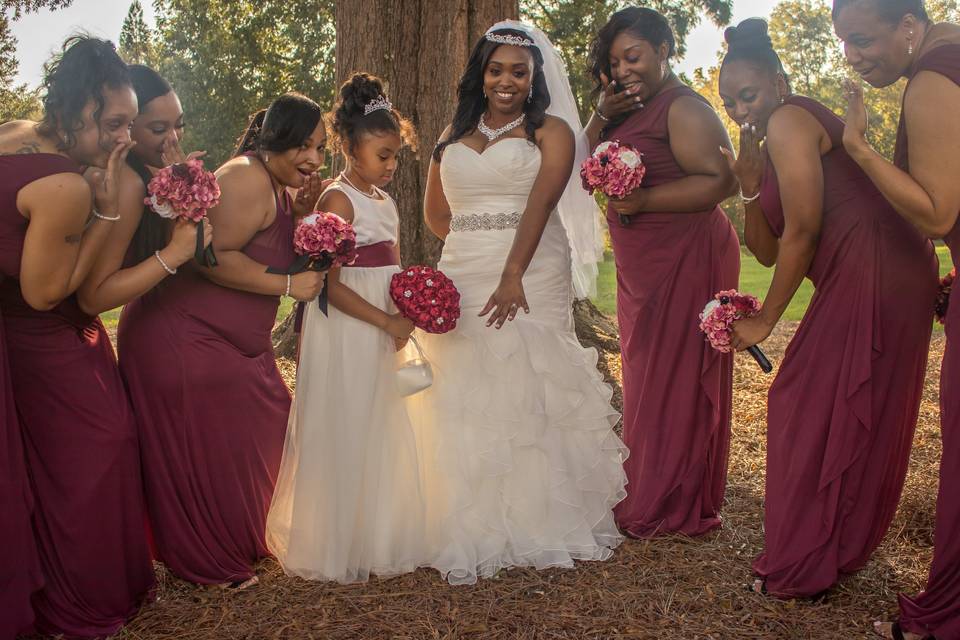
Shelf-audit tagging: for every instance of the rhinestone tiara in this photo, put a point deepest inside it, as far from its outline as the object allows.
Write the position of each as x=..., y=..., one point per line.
x=378, y=103
x=517, y=41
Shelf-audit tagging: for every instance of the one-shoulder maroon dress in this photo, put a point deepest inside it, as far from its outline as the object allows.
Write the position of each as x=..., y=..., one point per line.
x=79, y=440
x=212, y=412
x=676, y=388
x=843, y=408
x=936, y=610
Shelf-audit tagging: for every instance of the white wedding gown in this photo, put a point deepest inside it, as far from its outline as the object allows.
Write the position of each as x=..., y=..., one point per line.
x=520, y=463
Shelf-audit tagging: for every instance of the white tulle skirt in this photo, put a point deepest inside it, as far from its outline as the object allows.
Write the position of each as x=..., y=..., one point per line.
x=348, y=501
x=521, y=466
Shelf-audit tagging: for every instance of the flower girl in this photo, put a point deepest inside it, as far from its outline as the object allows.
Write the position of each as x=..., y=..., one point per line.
x=348, y=501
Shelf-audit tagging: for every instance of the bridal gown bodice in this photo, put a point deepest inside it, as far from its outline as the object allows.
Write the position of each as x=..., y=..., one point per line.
x=487, y=193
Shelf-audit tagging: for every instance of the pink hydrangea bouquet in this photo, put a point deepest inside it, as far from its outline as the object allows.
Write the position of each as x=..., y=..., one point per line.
x=321, y=240
x=943, y=295
x=718, y=316
x=426, y=297
x=186, y=190
x=615, y=168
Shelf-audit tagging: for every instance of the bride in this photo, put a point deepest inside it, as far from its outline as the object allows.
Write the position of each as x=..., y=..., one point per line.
x=521, y=466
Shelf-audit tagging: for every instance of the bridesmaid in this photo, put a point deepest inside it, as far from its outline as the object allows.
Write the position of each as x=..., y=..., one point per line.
x=885, y=41
x=197, y=358
x=138, y=253
x=842, y=410
x=79, y=439
x=674, y=249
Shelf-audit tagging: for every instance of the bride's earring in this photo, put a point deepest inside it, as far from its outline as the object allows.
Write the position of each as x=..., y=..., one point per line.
x=530, y=95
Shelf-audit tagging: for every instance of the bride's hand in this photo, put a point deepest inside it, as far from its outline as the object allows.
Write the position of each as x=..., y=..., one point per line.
x=506, y=301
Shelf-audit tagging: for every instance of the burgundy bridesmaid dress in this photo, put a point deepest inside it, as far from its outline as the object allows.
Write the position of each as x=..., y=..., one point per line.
x=19, y=565
x=676, y=388
x=79, y=440
x=936, y=610
x=212, y=412
x=842, y=410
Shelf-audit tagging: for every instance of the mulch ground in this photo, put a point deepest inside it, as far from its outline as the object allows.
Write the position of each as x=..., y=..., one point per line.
x=672, y=587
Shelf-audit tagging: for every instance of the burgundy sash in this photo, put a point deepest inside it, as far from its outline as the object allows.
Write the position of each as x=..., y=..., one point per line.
x=380, y=254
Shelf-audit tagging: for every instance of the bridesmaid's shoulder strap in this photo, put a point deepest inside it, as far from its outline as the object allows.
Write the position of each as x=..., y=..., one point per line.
x=829, y=120
x=944, y=60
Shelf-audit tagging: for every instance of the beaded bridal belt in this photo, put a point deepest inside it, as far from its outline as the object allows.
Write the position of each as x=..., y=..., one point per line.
x=485, y=222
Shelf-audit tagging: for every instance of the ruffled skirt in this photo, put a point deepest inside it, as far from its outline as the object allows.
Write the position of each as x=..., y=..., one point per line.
x=521, y=466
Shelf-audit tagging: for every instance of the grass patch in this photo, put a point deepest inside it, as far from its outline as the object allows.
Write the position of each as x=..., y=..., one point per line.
x=754, y=279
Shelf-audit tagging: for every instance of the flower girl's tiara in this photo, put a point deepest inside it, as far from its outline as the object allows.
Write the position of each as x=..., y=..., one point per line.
x=378, y=103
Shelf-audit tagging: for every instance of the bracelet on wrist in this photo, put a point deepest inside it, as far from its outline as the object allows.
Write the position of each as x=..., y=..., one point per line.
x=163, y=264
x=601, y=116
x=289, y=281
x=99, y=215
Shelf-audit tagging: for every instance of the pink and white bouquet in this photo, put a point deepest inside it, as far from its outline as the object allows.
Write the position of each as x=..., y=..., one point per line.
x=943, y=296
x=186, y=190
x=718, y=316
x=615, y=168
x=426, y=297
x=326, y=239
x=321, y=240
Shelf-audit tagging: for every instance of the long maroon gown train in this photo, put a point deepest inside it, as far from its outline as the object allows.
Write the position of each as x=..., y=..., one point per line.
x=842, y=410
x=212, y=412
x=936, y=610
x=80, y=442
x=676, y=388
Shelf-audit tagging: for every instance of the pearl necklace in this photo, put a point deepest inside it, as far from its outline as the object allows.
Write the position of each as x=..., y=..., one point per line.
x=371, y=194
x=493, y=134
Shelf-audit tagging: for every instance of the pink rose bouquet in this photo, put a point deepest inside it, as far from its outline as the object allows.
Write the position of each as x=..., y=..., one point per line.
x=614, y=168
x=943, y=296
x=186, y=190
x=426, y=297
x=321, y=240
x=718, y=316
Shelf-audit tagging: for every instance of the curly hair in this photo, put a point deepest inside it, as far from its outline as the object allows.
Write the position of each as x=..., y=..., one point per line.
x=77, y=75
x=348, y=123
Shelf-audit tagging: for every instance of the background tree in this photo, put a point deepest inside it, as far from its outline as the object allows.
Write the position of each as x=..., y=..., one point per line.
x=571, y=27
x=136, y=38
x=229, y=58
x=19, y=7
